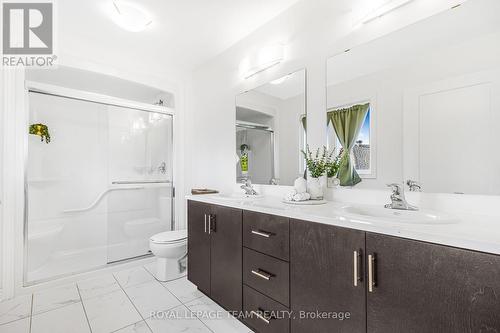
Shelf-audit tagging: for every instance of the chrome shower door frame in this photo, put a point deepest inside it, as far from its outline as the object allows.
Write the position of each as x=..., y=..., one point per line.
x=57, y=91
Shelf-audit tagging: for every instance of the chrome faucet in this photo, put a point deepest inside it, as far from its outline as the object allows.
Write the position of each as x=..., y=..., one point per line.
x=414, y=186
x=163, y=168
x=398, y=200
x=247, y=187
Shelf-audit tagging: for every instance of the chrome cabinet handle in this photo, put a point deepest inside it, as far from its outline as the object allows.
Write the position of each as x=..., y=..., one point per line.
x=262, y=233
x=209, y=223
x=205, y=223
x=262, y=274
x=356, y=267
x=371, y=271
x=261, y=317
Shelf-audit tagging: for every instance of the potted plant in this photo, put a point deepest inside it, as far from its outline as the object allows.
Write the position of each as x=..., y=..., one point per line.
x=332, y=169
x=316, y=166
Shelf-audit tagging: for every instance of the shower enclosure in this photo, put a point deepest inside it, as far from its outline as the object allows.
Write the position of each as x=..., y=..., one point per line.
x=259, y=141
x=97, y=188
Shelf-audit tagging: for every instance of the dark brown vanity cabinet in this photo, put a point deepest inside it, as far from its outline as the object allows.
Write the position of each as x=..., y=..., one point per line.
x=327, y=278
x=215, y=252
x=427, y=288
x=336, y=279
x=389, y=284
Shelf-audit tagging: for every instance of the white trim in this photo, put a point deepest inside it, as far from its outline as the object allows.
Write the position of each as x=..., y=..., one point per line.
x=14, y=124
x=95, y=97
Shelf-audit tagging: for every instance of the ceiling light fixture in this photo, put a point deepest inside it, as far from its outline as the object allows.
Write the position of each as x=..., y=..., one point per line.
x=130, y=17
x=268, y=57
x=384, y=9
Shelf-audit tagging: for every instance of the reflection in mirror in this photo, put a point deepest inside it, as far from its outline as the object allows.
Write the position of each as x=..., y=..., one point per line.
x=271, y=131
x=434, y=108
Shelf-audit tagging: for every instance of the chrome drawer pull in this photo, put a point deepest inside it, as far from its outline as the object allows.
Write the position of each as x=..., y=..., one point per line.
x=371, y=272
x=357, y=268
x=262, y=233
x=261, y=317
x=205, y=223
x=262, y=274
x=355, y=264
x=209, y=223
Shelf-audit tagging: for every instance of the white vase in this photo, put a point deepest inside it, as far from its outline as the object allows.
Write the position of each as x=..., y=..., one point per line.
x=333, y=182
x=315, y=188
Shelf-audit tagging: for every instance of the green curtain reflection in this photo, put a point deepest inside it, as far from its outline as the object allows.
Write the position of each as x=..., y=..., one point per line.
x=347, y=124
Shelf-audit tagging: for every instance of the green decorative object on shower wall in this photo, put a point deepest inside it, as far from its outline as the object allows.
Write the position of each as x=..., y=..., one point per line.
x=244, y=158
x=41, y=130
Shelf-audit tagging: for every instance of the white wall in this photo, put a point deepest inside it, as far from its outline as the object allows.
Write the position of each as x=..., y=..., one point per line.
x=312, y=31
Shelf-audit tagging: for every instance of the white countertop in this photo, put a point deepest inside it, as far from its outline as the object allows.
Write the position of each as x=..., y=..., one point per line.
x=468, y=231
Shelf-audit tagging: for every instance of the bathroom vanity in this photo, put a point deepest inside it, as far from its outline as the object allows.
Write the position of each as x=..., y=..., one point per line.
x=334, y=273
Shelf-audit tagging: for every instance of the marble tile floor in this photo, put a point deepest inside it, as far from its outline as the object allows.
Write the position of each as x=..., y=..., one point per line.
x=127, y=301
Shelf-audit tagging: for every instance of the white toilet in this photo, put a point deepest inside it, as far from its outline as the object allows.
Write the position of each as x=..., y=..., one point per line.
x=170, y=249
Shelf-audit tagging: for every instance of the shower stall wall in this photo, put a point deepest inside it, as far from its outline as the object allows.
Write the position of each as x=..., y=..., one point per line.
x=97, y=188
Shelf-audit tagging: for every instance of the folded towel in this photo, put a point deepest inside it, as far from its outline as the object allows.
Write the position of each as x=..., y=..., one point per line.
x=300, y=185
x=301, y=197
x=289, y=196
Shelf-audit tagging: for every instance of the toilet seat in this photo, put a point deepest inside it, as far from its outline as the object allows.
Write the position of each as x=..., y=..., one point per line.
x=169, y=237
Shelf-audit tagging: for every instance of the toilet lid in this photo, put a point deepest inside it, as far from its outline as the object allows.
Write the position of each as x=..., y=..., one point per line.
x=170, y=236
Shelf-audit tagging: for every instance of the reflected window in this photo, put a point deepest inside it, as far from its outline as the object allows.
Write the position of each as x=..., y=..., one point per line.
x=362, y=150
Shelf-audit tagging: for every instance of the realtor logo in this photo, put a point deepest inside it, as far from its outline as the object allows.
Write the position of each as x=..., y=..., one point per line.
x=28, y=29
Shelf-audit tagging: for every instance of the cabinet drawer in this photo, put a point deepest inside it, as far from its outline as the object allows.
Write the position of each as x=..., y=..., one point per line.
x=264, y=314
x=267, y=234
x=266, y=274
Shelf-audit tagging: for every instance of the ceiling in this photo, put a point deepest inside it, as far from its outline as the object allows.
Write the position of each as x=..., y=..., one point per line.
x=184, y=33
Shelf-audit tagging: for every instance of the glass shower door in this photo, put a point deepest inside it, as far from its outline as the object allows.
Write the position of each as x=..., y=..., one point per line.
x=65, y=227
x=260, y=145
x=140, y=168
x=97, y=189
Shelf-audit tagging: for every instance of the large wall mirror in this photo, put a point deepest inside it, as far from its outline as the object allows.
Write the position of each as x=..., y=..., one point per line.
x=423, y=103
x=271, y=131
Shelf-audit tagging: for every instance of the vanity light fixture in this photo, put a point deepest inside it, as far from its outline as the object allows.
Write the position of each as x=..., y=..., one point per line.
x=384, y=9
x=130, y=16
x=268, y=57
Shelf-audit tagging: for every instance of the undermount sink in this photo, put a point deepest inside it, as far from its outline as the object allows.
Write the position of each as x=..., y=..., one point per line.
x=423, y=216
x=239, y=196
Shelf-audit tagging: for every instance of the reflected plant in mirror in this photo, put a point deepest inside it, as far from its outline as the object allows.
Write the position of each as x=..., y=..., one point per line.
x=271, y=131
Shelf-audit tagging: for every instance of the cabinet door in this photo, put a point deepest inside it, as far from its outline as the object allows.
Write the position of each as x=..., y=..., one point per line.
x=199, y=245
x=323, y=271
x=427, y=288
x=226, y=258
